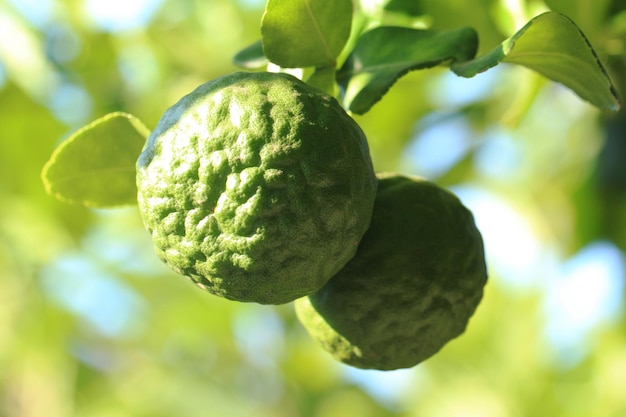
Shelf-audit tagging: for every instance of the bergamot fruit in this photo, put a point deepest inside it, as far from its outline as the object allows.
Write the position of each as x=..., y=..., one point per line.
x=414, y=283
x=256, y=186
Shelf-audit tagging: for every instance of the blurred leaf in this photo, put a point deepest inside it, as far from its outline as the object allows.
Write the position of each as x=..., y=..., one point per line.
x=251, y=57
x=610, y=164
x=29, y=132
x=554, y=46
x=410, y=7
x=96, y=165
x=384, y=54
x=305, y=33
x=591, y=210
x=601, y=201
x=588, y=16
x=323, y=79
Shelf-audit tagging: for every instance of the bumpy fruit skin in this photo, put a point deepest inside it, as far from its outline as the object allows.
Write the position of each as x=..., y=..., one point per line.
x=415, y=281
x=256, y=186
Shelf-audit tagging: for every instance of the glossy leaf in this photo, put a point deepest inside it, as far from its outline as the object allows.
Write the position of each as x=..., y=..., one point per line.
x=251, y=57
x=305, y=33
x=96, y=165
x=384, y=54
x=554, y=46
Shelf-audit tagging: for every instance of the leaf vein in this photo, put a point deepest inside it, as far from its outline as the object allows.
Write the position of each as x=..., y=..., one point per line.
x=319, y=31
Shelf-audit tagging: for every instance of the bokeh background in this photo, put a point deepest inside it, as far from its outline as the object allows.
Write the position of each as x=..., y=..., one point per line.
x=93, y=325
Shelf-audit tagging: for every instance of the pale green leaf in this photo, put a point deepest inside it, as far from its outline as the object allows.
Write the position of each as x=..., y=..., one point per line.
x=323, y=78
x=95, y=166
x=588, y=15
x=554, y=46
x=305, y=33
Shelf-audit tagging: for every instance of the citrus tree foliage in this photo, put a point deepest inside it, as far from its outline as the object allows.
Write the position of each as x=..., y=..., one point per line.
x=92, y=324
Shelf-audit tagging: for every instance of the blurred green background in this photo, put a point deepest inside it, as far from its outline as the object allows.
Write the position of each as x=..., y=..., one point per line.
x=92, y=324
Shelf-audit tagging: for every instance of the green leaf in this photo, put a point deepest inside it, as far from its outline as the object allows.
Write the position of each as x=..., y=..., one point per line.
x=589, y=16
x=324, y=79
x=410, y=7
x=305, y=33
x=251, y=57
x=384, y=54
x=555, y=47
x=95, y=166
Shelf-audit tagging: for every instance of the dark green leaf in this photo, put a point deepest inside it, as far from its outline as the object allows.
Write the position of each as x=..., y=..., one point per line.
x=305, y=33
x=96, y=165
x=251, y=57
x=384, y=54
x=554, y=46
x=409, y=7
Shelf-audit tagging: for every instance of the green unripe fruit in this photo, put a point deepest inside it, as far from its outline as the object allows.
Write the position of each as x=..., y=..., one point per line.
x=256, y=186
x=415, y=281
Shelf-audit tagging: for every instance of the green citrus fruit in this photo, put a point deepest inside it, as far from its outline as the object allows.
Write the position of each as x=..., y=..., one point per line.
x=415, y=281
x=256, y=186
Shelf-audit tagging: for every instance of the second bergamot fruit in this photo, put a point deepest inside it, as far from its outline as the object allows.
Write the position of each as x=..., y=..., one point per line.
x=415, y=281
x=256, y=186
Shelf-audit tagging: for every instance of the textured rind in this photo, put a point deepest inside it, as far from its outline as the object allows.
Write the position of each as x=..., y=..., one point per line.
x=257, y=187
x=415, y=281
